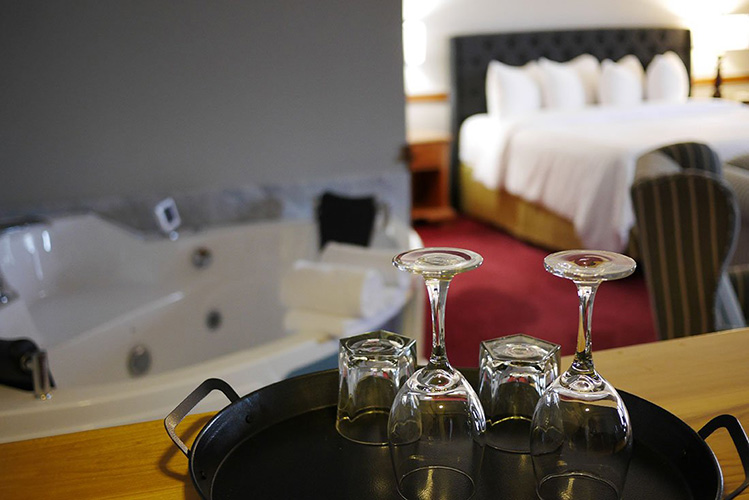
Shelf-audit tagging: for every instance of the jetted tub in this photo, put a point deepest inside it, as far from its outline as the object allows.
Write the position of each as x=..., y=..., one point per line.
x=132, y=324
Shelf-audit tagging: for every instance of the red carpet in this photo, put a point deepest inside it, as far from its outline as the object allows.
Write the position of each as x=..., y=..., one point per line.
x=512, y=293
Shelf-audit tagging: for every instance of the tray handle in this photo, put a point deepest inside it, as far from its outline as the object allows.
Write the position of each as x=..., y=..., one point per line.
x=180, y=412
x=740, y=441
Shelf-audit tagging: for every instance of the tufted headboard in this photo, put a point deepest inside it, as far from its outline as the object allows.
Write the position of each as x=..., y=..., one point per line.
x=470, y=55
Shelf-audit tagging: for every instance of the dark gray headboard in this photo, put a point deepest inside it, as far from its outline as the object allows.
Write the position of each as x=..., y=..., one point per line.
x=470, y=56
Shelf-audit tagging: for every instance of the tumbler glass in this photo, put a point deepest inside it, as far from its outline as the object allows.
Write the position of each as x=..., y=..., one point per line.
x=513, y=373
x=371, y=369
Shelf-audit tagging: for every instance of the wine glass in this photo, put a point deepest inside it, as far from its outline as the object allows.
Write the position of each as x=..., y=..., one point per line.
x=581, y=437
x=436, y=426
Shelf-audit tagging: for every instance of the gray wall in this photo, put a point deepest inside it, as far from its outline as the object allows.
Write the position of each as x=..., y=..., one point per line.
x=105, y=97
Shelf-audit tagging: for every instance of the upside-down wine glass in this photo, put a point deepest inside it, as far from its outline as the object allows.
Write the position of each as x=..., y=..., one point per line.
x=436, y=426
x=581, y=437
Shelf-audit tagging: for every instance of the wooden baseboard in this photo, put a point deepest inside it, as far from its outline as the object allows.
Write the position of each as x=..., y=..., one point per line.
x=445, y=97
x=441, y=97
x=726, y=79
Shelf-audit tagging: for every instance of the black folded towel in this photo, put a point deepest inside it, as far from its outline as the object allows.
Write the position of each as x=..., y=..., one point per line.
x=346, y=220
x=13, y=372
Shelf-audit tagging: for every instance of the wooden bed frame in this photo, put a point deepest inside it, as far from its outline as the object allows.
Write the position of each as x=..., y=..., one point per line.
x=469, y=58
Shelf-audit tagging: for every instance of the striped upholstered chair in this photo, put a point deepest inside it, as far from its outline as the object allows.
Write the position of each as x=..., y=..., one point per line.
x=737, y=176
x=687, y=224
x=674, y=158
x=739, y=275
x=693, y=155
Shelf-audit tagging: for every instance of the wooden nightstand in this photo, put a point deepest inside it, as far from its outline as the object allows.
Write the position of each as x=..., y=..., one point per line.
x=429, y=162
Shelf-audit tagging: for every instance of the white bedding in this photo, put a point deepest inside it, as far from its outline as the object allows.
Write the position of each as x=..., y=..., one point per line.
x=580, y=164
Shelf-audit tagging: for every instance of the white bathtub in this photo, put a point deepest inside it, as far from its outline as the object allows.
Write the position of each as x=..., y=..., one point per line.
x=91, y=292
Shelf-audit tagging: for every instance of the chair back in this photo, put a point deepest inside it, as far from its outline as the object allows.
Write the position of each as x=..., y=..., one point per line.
x=693, y=155
x=688, y=223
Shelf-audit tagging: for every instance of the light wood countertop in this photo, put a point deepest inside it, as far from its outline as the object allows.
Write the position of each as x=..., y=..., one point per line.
x=696, y=379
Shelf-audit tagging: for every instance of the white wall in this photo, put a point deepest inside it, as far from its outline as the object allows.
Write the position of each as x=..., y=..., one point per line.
x=447, y=18
x=115, y=97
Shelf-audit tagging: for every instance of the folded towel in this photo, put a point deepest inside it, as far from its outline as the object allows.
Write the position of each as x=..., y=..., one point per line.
x=310, y=321
x=380, y=259
x=336, y=289
x=300, y=320
x=346, y=219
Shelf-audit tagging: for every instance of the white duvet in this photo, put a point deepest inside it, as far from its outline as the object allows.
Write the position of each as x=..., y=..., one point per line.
x=581, y=164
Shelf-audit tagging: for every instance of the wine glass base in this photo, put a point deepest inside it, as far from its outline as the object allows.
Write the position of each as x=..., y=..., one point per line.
x=369, y=427
x=436, y=483
x=510, y=434
x=582, y=383
x=576, y=485
x=437, y=381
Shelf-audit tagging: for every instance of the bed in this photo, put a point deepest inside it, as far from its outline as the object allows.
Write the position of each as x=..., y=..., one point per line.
x=560, y=178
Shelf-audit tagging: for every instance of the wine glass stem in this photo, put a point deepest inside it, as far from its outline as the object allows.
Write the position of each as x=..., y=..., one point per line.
x=583, y=362
x=437, y=290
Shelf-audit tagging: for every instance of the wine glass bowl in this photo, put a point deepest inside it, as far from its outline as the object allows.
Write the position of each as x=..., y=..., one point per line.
x=436, y=426
x=581, y=436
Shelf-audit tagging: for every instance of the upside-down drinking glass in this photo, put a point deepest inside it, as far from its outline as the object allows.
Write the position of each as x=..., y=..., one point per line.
x=581, y=437
x=514, y=371
x=436, y=426
x=371, y=368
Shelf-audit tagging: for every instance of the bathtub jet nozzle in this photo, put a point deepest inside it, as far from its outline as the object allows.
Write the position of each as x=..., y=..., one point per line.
x=202, y=257
x=139, y=361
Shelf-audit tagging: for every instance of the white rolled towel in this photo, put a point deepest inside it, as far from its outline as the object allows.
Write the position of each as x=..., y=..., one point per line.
x=337, y=289
x=310, y=321
x=380, y=259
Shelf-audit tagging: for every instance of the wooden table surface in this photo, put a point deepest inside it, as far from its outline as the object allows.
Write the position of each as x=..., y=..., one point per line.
x=695, y=378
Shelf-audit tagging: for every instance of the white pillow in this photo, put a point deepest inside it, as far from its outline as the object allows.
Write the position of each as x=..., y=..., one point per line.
x=589, y=69
x=633, y=64
x=619, y=84
x=512, y=90
x=561, y=85
x=666, y=79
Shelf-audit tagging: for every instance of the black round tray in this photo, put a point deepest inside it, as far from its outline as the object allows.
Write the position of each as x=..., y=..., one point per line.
x=280, y=442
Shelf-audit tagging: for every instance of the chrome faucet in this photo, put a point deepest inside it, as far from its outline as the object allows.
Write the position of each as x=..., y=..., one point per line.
x=24, y=366
x=38, y=364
